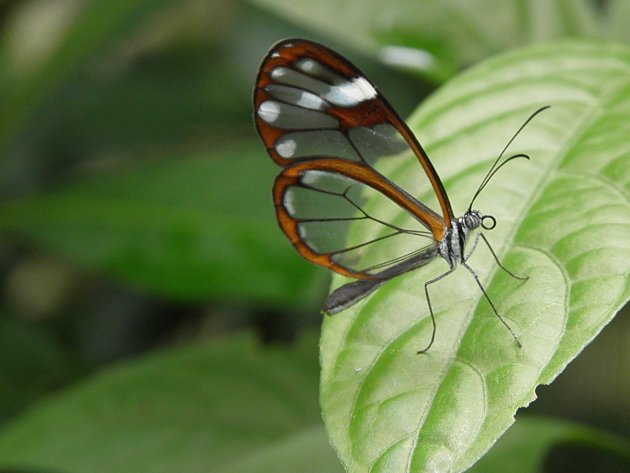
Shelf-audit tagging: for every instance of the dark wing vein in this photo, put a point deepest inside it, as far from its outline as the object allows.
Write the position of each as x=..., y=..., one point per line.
x=365, y=215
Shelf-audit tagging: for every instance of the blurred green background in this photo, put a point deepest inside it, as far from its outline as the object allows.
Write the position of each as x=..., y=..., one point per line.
x=136, y=211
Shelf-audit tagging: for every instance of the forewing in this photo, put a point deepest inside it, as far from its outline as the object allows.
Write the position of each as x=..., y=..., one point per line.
x=345, y=216
x=312, y=103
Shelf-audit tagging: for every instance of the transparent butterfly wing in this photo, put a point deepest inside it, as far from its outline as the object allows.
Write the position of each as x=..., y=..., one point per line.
x=313, y=107
x=345, y=216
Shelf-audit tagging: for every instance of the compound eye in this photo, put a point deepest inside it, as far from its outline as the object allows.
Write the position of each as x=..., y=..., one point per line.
x=488, y=222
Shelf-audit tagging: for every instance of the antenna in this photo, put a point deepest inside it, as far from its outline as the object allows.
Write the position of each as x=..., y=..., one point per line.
x=496, y=166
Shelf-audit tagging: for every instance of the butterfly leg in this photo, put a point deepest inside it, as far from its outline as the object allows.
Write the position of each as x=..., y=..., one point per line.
x=426, y=293
x=494, y=309
x=494, y=255
x=473, y=246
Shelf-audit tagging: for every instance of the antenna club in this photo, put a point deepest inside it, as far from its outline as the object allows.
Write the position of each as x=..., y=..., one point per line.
x=488, y=222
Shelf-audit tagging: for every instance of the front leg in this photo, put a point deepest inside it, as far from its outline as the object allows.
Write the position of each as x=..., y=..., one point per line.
x=494, y=255
x=472, y=248
x=520, y=278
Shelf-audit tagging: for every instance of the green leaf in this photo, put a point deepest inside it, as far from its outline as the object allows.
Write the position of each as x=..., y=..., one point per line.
x=219, y=407
x=94, y=25
x=446, y=35
x=192, y=227
x=563, y=220
x=31, y=365
x=618, y=13
x=526, y=445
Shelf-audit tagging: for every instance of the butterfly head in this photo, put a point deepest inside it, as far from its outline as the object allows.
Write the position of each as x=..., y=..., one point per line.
x=473, y=219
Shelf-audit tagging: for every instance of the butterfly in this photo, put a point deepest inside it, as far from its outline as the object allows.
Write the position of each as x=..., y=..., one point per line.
x=338, y=141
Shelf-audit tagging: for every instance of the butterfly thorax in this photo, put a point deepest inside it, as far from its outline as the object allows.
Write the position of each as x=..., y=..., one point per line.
x=453, y=244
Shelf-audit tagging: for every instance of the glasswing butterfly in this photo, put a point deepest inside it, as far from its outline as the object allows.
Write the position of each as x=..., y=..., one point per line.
x=339, y=141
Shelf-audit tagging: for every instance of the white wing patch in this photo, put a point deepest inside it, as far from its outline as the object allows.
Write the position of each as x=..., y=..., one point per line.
x=269, y=111
x=350, y=94
x=286, y=147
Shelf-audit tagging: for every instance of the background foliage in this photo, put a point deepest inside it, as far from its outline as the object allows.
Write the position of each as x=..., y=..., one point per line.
x=139, y=244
